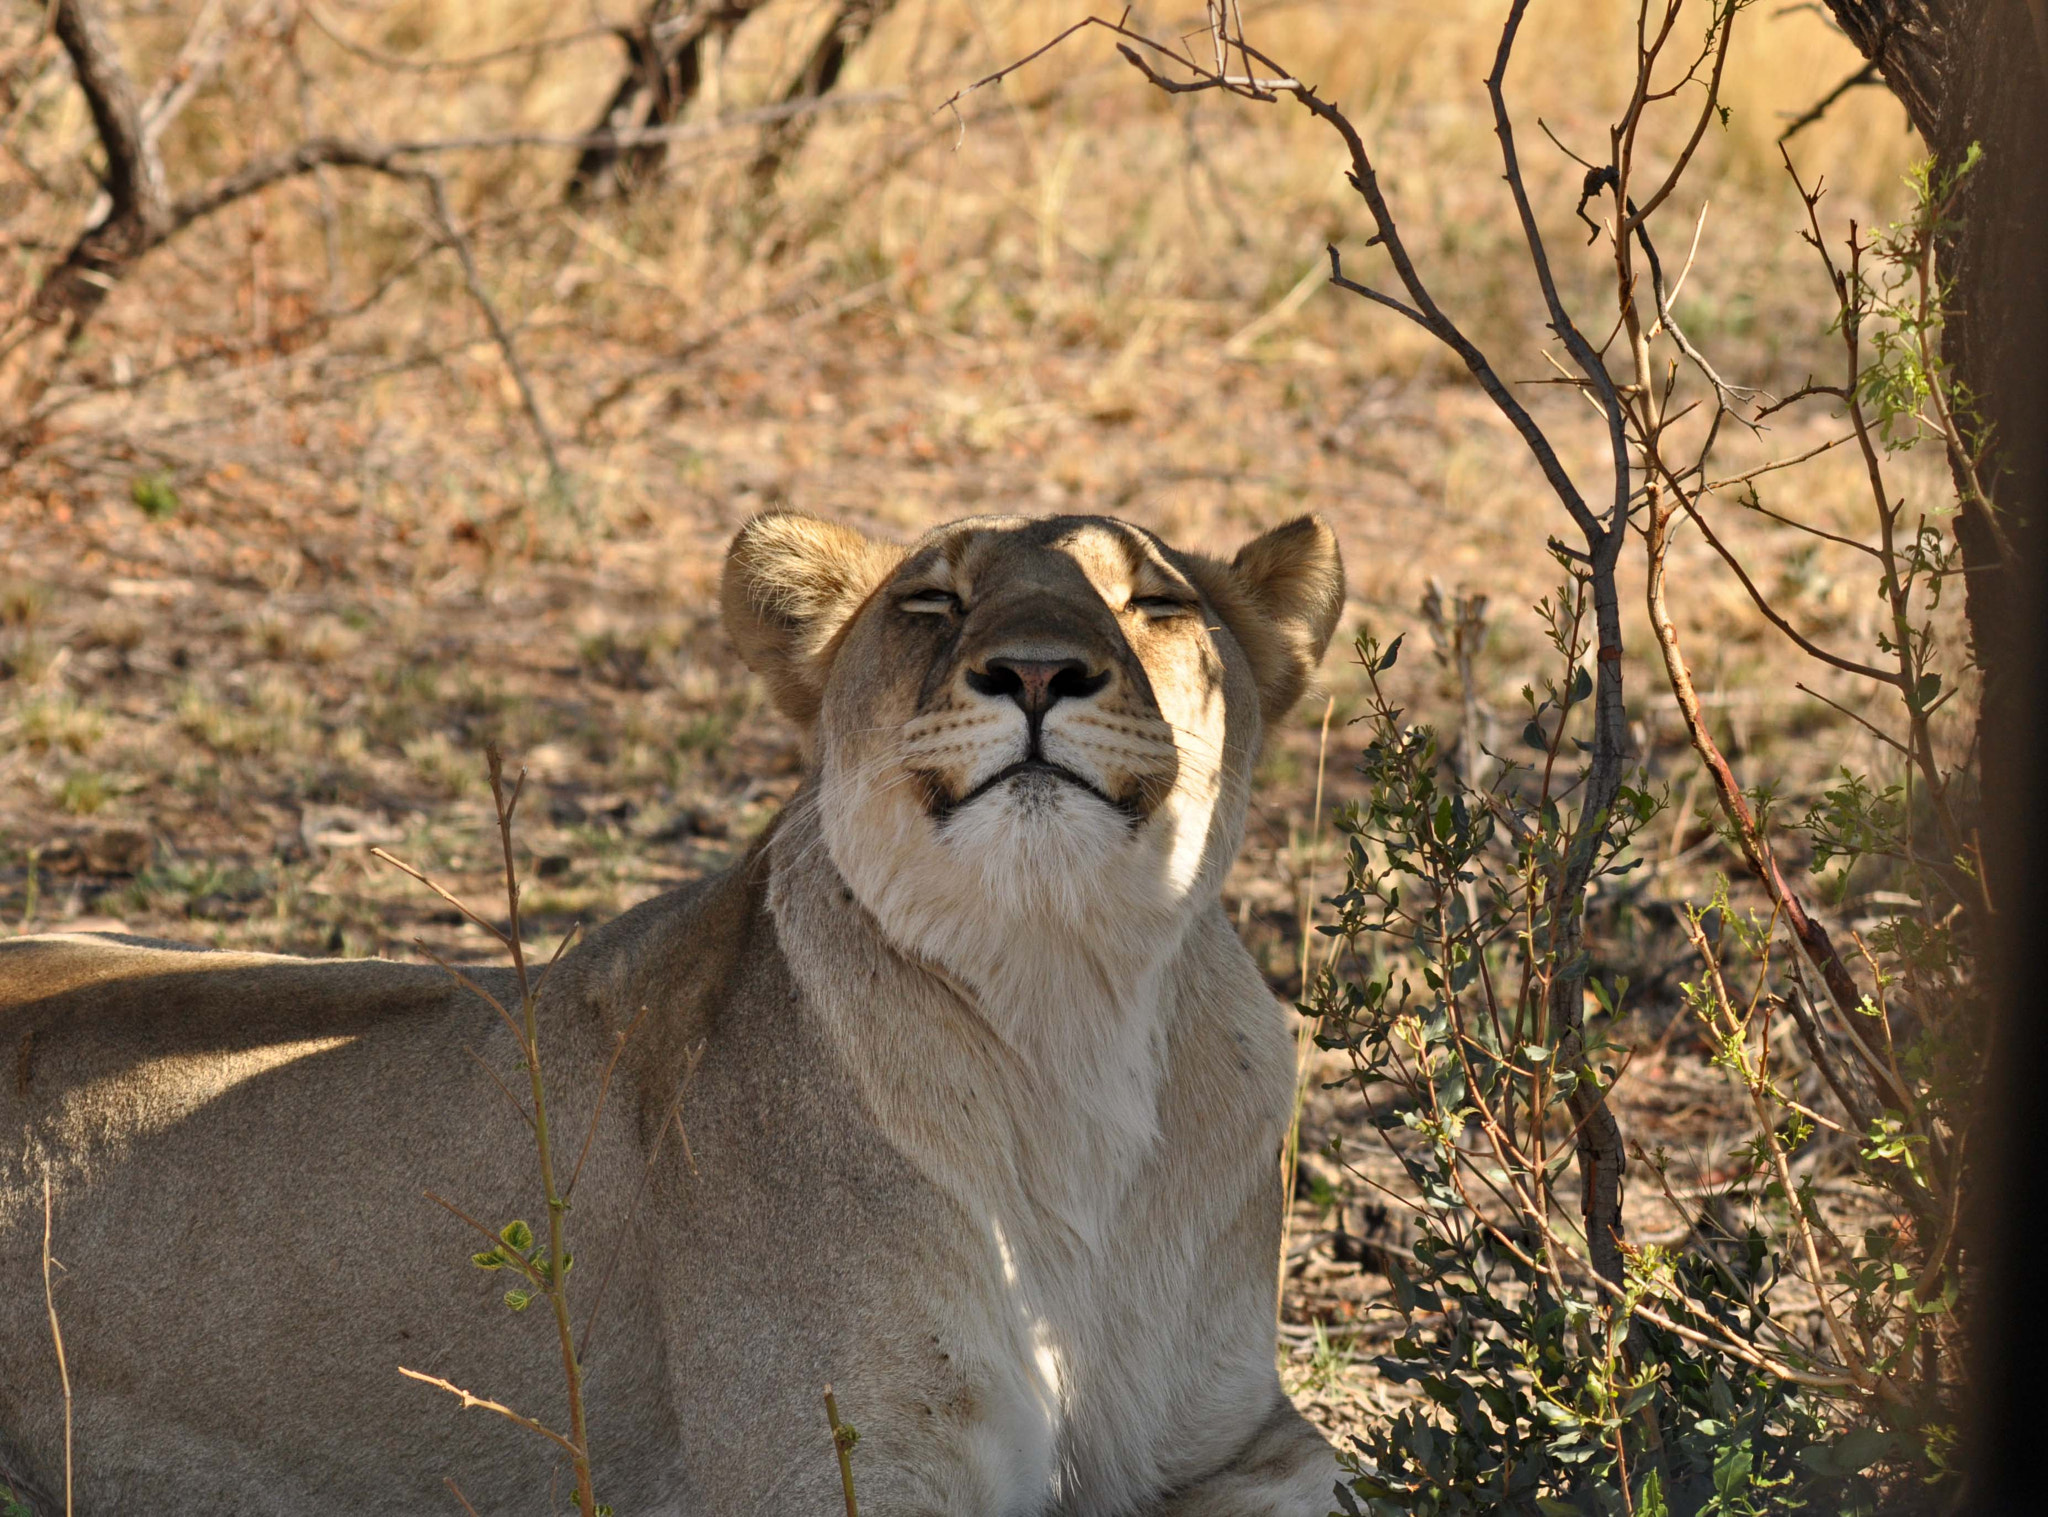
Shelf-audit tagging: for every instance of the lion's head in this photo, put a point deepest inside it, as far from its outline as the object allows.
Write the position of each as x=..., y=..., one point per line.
x=1045, y=726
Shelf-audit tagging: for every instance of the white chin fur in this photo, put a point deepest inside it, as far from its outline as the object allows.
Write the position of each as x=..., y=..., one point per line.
x=1036, y=868
x=1034, y=842
x=1059, y=916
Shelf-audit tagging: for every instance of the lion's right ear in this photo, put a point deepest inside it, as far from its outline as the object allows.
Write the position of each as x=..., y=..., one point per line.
x=1281, y=598
x=792, y=583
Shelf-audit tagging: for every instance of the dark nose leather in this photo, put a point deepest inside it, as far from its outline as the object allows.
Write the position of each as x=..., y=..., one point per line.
x=1036, y=684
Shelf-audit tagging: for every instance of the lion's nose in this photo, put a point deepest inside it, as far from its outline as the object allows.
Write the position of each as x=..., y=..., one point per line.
x=1036, y=683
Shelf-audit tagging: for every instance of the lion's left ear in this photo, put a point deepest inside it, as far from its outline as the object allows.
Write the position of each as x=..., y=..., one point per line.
x=1280, y=597
x=792, y=583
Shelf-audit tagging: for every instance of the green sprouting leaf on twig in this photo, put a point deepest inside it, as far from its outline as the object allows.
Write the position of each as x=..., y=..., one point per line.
x=519, y=1300
x=517, y=1235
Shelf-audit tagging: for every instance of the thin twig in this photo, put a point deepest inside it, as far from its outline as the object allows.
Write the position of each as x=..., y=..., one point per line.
x=394, y=62
x=524, y=1115
x=1872, y=728
x=555, y=958
x=673, y=1116
x=404, y=868
x=510, y=1255
x=1770, y=613
x=604, y=1086
x=511, y=1022
x=57, y=1339
x=437, y=190
x=1870, y=73
x=468, y=1400
x=843, y=1439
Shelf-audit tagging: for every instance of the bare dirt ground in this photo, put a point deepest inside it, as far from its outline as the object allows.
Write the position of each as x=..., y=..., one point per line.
x=278, y=566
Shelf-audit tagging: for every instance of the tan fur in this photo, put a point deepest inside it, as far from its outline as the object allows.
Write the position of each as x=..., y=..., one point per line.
x=982, y=1133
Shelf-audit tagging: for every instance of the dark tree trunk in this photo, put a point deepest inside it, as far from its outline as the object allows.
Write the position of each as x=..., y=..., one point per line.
x=665, y=70
x=850, y=27
x=138, y=203
x=1976, y=72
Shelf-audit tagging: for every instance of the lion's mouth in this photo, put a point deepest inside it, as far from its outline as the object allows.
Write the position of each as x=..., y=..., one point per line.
x=1130, y=808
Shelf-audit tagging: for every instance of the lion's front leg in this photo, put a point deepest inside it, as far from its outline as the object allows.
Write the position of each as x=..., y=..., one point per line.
x=1285, y=1469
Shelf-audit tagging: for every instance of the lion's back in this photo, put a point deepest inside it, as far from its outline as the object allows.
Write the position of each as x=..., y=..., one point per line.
x=82, y=1008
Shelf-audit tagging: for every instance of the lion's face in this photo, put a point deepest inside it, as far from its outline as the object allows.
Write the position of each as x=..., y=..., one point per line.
x=1036, y=726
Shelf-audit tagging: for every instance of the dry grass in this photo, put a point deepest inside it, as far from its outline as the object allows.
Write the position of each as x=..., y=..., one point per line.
x=285, y=554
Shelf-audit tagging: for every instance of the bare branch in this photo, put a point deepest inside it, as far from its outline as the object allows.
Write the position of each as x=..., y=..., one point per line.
x=1868, y=726
x=604, y=1086
x=404, y=868
x=469, y=1400
x=671, y=1117
x=1752, y=503
x=1870, y=73
x=57, y=1338
x=393, y=61
x=438, y=191
x=1708, y=111
x=1770, y=613
x=1560, y=320
x=1337, y=278
x=205, y=48
x=476, y=1058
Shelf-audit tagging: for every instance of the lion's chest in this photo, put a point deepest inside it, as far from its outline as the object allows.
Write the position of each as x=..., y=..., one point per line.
x=1093, y=1314
x=1111, y=1371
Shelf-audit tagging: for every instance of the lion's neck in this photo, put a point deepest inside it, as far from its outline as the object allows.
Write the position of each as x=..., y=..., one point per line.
x=1029, y=1065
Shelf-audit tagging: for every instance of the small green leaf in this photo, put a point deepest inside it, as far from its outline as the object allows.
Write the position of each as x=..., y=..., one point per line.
x=155, y=496
x=518, y=1300
x=517, y=1235
x=1731, y=1472
x=1650, y=1500
x=489, y=1259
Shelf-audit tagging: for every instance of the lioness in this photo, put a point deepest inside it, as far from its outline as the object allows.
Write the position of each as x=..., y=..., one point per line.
x=982, y=1128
